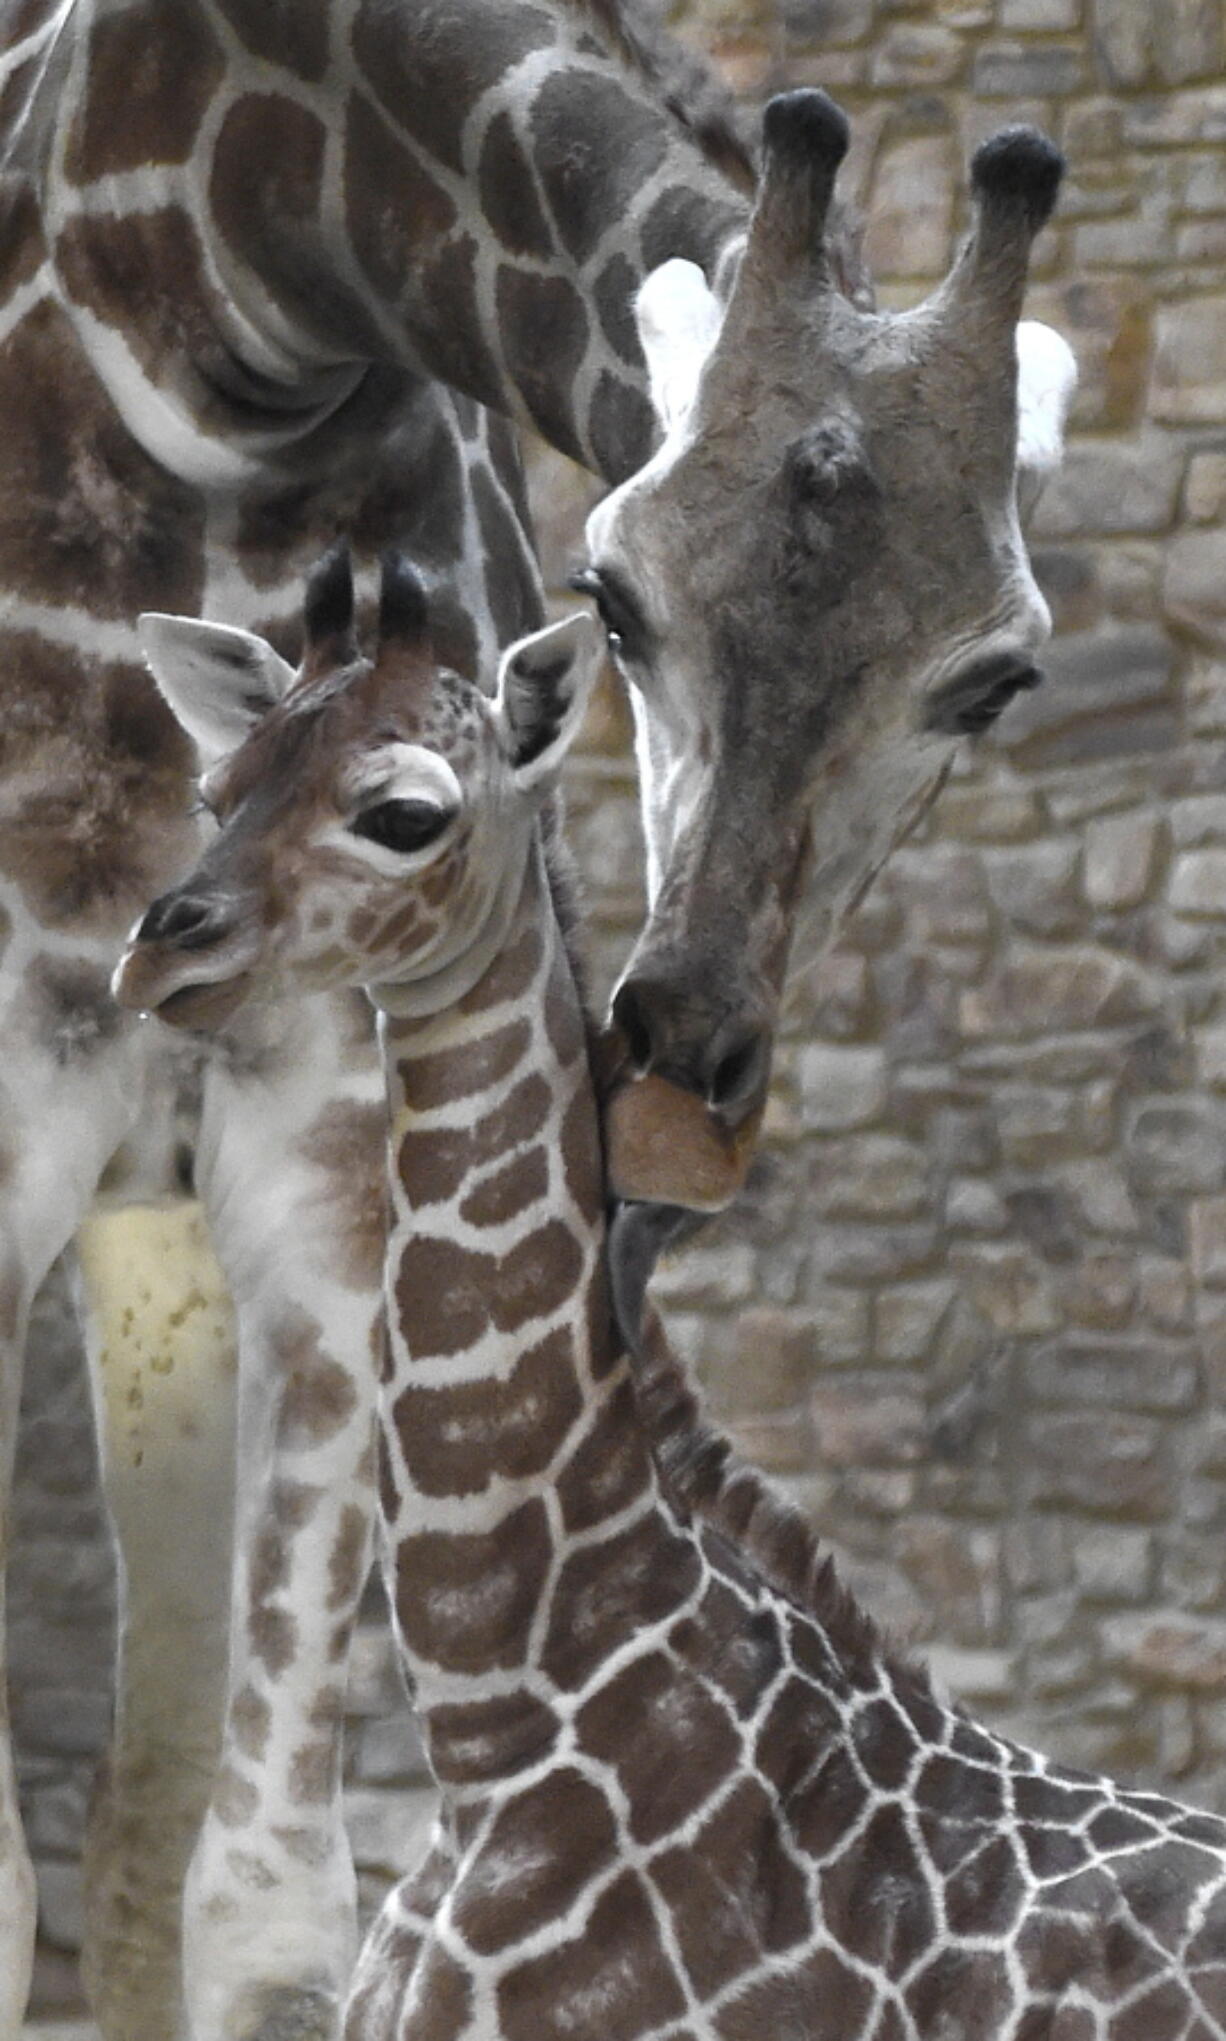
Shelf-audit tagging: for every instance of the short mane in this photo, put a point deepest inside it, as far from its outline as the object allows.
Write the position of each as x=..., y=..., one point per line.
x=703, y=1473
x=690, y=88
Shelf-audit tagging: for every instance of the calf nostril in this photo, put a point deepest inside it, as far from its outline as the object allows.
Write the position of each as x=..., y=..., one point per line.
x=183, y=918
x=631, y=1017
x=738, y=1072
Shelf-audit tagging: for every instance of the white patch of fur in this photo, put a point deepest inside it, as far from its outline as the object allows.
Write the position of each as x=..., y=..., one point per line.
x=679, y=319
x=1046, y=382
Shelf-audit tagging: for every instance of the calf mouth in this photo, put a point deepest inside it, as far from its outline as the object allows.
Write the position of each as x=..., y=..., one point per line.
x=187, y=992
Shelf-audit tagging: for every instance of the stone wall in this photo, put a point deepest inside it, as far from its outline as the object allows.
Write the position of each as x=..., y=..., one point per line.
x=973, y=1309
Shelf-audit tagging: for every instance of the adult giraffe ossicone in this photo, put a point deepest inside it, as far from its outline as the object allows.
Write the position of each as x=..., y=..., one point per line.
x=256, y=264
x=687, y=1792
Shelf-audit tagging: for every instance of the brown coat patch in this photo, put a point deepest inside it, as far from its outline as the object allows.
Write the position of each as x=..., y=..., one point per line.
x=545, y=1845
x=513, y=1189
x=347, y=1559
x=153, y=71
x=618, y=1964
x=452, y=1074
x=485, y=1740
x=412, y=212
x=428, y=82
x=609, y=1467
x=734, y=1893
x=456, y=1440
x=607, y=1591
x=447, y=1296
x=319, y=1397
x=671, y=1745
x=348, y=1143
x=465, y=1602
x=283, y=32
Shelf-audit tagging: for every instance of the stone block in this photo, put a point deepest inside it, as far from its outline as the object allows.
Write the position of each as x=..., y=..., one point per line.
x=840, y=1087
x=1005, y=1286
x=912, y=54
x=982, y=1678
x=972, y=1206
x=777, y=1356
x=957, y=1571
x=1120, y=855
x=1194, y=588
x=870, y=1176
x=1036, y=1125
x=1038, y=17
x=1016, y=70
x=1113, y=1563
x=1211, y=1057
x=1198, y=819
x=908, y=1319
x=1167, y=119
x=867, y=1419
x=1198, y=883
x=1100, y=1463
x=838, y=995
x=1168, y=1648
x=1047, y=1215
x=1188, y=382
x=1044, y=992
x=1208, y=1235
x=707, y=1276
x=1113, y=1374
x=1167, y=45
x=830, y=23
x=1071, y=584
x=1177, y=1147
x=1112, y=487
x=1100, y=1292
x=911, y=212
x=1033, y=886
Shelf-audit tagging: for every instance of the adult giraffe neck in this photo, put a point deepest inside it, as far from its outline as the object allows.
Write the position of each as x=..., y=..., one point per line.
x=474, y=196
x=513, y=1470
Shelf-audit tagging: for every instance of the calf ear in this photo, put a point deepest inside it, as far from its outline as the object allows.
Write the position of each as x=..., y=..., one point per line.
x=219, y=681
x=1046, y=382
x=678, y=317
x=544, y=685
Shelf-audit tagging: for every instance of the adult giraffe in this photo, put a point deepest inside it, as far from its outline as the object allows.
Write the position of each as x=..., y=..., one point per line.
x=259, y=264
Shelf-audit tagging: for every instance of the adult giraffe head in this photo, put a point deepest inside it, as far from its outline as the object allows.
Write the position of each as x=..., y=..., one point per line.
x=816, y=585
x=375, y=813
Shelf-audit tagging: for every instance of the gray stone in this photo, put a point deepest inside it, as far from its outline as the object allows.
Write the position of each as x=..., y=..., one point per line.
x=1113, y=1564
x=840, y=1087
x=1198, y=883
x=1178, y=1147
x=1120, y=851
x=916, y=53
x=1169, y=1648
x=1016, y=70
x=1033, y=886
x=1112, y=487
x=1188, y=384
x=1113, y=1374
x=1194, y=589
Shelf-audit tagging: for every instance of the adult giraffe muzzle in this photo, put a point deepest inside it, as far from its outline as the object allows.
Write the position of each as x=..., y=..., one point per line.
x=816, y=587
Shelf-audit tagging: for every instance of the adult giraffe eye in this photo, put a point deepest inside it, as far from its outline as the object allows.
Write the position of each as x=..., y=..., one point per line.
x=402, y=825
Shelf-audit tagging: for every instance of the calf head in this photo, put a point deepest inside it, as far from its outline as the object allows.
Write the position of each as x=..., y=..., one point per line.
x=375, y=814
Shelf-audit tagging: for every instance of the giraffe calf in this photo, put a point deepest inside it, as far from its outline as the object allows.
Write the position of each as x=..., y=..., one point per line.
x=687, y=1792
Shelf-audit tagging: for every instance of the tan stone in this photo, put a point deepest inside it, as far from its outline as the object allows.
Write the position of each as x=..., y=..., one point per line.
x=1006, y=1286
x=1198, y=883
x=1170, y=1648
x=1045, y=992
x=1119, y=859
x=1188, y=384
x=911, y=213
x=839, y=1087
x=1208, y=1229
x=867, y=1419
x=909, y=1317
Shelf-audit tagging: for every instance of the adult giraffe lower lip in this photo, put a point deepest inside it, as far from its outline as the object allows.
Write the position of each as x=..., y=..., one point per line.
x=665, y=1146
x=638, y=1235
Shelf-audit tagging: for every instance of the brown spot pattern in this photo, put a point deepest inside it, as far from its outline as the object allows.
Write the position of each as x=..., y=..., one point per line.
x=511, y=1190
x=319, y=1397
x=608, y=1468
x=429, y=82
x=606, y=1591
x=509, y=198
x=162, y=64
x=544, y=330
x=283, y=32
x=586, y=188
x=447, y=1295
x=484, y=1740
x=456, y=1440
x=670, y=1744
x=465, y=1602
x=736, y=1895
x=544, y=1846
x=618, y=1965
x=442, y=1079
x=389, y=231
x=347, y=1559
x=348, y=1143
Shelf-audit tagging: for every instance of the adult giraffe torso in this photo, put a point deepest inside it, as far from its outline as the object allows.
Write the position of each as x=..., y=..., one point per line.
x=687, y=1794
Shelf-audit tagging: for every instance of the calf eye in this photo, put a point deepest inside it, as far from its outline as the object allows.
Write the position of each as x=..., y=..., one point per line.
x=402, y=825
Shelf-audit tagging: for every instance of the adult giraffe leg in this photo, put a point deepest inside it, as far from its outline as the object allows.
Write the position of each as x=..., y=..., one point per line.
x=292, y=1171
x=160, y=1334
x=66, y=1099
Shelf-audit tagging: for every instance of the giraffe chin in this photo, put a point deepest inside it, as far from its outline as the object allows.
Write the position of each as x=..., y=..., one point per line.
x=664, y=1146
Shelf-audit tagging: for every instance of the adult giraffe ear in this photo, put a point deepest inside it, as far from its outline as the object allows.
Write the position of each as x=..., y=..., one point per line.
x=678, y=317
x=218, y=680
x=544, y=685
x=1046, y=382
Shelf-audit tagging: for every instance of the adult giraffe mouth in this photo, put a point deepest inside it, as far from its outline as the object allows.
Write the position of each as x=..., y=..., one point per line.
x=637, y=1237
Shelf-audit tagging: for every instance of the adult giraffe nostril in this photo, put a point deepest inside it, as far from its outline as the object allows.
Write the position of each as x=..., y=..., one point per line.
x=633, y=1015
x=738, y=1074
x=188, y=919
